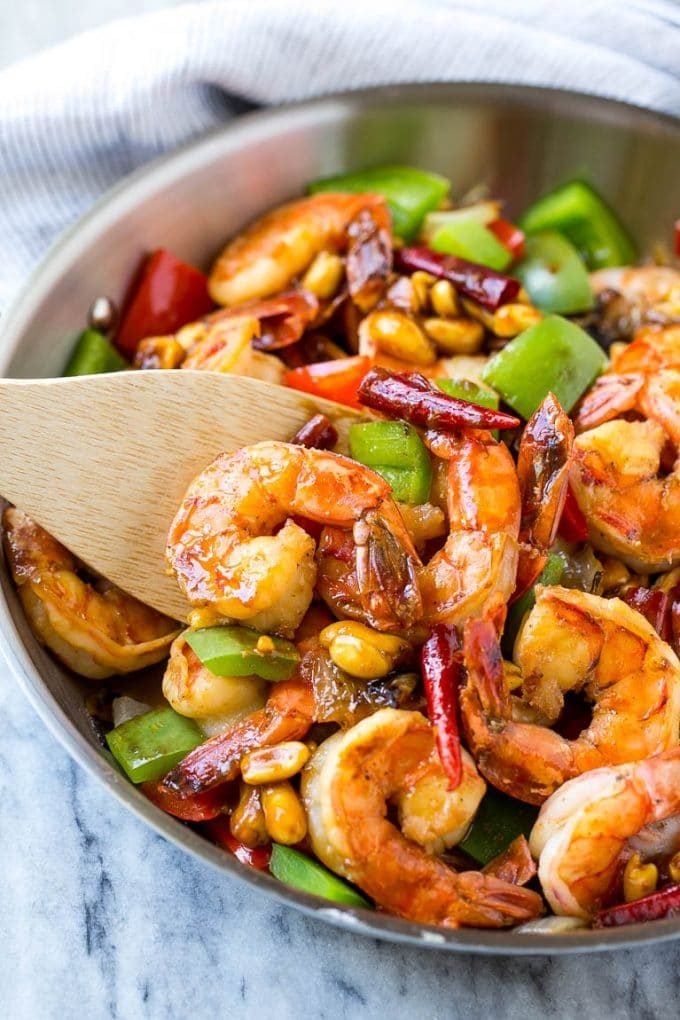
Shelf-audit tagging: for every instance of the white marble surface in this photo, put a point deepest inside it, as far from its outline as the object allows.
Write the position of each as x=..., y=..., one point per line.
x=101, y=918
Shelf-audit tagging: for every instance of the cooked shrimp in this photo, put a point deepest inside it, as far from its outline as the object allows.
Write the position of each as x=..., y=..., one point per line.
x=631, y=506
x=647, y=288
x=280, y=246
x=582, y=829
x=346, y=787
x=570, y=641
x=222, y=544
x=287, y=715
x=93, y=628
x=194, y=691
x=629, y=383
x=543, y=465
x=371, y=573
x=477, y=566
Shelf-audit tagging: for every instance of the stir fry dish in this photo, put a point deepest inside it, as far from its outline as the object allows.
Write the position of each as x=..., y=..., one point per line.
x=430, y=669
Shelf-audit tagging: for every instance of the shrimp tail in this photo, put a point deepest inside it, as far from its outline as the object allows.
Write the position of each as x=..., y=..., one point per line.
x=288, y=715
x=486, y=901
x=387, y=574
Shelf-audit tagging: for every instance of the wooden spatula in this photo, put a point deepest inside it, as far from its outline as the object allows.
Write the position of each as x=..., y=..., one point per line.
x=102, y=462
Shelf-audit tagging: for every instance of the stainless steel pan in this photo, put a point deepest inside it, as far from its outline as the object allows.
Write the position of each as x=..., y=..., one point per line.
x=520, y=141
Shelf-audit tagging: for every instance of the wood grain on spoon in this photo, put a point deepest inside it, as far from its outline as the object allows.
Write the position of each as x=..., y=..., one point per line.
x=102, y=462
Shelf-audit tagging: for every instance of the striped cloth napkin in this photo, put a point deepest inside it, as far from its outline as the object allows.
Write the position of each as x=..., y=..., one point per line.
x=75, y=119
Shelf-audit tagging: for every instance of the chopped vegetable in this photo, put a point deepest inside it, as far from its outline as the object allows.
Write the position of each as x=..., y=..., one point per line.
x=412, y=397
x=573, y=526
x=510, y=235
x=409, y=191
x=554, y=356
x=472, y=241
x=149, y=745
x=499, y=820
x=94, y=354
x=481, y=284
x=319, y=433
x=335, y=380
x=554, y=276
x=654, y=605
x=167, y=295
x=578, y=212
x=395, y=450
x=481, y=212
x=296, y=869
x=442, y=668
x=200, y=807
x=219, y=831
x=664, y=903
x=551, y=574
x=238, y=651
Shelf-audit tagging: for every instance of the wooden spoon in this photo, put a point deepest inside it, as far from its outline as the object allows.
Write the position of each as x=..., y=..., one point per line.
x=102, y=462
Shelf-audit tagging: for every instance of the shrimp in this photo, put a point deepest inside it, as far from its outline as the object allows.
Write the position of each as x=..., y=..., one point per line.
x=629, y=383
x=570, y=641
x=477, y=566
x=280, y=246
x=543, y=465
x=346, y=788
x=646, y=288
x=194, y=691
x=371, y=573
x=582, y=829
x=287, y=715
x=222, y=545
x=93, y=628
x=631, y=506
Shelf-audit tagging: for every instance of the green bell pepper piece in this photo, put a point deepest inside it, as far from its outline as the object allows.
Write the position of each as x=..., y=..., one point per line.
x=94, y=354
x=554, y=356
x=394, y=450
x=149, y=745
x=499, y=820
x=238, y=651
x=410, y=193
x=578, y=212
x=551, y=574
x=472, y=241
x=553, y=275
x=296, y=869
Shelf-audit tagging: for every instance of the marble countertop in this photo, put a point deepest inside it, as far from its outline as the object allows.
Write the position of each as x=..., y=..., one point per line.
x=102, y=919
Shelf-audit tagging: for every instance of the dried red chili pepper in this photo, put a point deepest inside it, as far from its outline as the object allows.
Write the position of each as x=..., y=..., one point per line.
x=411, y=397
x=319, y=433
x=509, y=235
x=283, y=319
x=573, y=526
x=479, y=283
x=664, y=903
x=255, y=857
x=442, y=667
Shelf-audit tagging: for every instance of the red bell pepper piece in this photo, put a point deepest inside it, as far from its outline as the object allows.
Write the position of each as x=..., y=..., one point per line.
x=654, y=605
x=335, y=380
x=255, y=857
x=510, y=236
x=410, y=396
x=665, y=903
x=167, y=295
x=319, y=433
x=199, y=807
x=441, y=668
x=479, y=283
x=573, y=526
x=676, y=231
